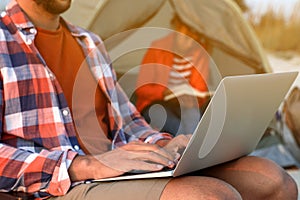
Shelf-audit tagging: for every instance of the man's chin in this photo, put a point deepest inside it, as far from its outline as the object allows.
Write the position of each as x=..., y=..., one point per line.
x=55, y=7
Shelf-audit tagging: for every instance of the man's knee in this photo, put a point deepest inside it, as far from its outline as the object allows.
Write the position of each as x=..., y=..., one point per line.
x=276, y=181
x=197, y=187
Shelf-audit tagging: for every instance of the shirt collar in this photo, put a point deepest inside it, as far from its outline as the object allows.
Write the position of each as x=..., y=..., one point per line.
x=18, y=17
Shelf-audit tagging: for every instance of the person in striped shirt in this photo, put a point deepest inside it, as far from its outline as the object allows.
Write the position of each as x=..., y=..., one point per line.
x=65, y=121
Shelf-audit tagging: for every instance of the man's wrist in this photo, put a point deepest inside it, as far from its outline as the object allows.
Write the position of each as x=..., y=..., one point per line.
x=77, y=168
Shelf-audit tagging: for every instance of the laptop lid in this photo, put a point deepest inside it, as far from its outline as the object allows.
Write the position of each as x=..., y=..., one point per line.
x=235, y=120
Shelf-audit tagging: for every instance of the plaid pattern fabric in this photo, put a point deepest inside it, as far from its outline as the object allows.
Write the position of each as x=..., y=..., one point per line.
x=38, y=140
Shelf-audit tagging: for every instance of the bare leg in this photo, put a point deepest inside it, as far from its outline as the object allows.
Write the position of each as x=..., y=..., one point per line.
x=199, y=187
x=256, y=178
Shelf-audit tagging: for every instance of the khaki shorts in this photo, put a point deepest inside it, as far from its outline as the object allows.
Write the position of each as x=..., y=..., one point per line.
x=146, y=189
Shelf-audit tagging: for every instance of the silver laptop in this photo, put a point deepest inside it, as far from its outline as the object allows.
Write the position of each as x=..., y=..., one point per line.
x=233, y=123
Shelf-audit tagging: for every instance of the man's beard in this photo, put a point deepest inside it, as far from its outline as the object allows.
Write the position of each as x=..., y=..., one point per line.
x=54, y=6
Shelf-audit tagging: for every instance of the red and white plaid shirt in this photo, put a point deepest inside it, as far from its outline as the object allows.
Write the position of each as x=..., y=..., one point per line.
x=38, y=140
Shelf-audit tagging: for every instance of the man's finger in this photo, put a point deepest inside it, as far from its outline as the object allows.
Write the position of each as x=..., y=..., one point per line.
x=139, y=146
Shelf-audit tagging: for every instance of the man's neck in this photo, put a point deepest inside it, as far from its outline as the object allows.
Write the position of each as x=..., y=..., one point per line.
x=39, y=16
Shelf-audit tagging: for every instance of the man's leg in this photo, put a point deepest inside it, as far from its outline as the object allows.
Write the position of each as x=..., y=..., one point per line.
x=256, y=178
x=190, y=187
x=145, y=189
x=200, y=188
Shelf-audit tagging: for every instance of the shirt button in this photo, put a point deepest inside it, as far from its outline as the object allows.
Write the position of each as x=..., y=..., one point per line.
x=3, y=14
x=76, y=147
x=29, y=42
x=32, y=30
x=65, y=112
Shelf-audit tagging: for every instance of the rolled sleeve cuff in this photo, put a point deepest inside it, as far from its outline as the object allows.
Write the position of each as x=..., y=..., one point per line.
x=152, y=139
x=61, y=182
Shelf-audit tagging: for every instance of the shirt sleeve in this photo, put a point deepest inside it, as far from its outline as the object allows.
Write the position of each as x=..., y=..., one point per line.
x=133, y=124
x=46, y=171
x=32, y=171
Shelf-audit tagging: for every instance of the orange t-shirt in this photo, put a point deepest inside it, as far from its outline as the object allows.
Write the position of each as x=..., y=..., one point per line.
x=64, y=57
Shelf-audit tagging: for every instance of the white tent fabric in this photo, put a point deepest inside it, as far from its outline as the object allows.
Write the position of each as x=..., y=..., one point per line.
x=236, y=48
x=223, y=23
x=107, y=17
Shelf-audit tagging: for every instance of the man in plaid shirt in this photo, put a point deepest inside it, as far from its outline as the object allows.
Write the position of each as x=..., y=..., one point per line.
x=50, y=144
